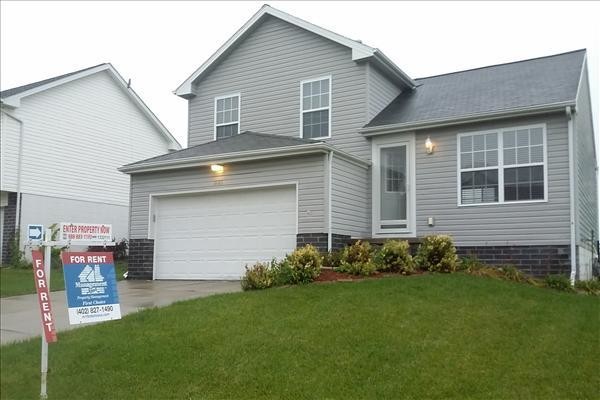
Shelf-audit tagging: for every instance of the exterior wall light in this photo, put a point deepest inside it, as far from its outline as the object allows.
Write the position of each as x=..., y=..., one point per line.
x=216, y=168
x=429, y=145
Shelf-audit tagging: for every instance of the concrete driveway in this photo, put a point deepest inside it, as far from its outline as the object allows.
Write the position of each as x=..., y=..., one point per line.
x=20, y=315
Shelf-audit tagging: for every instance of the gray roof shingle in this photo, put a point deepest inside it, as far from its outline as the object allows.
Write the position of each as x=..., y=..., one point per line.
x=20, y=89
x=245, y=141
x=539, y=81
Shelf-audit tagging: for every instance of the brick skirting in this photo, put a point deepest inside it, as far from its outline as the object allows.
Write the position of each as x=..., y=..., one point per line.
x=532, y=260
x=141, y=259
x=319, y=240
x=8, y=227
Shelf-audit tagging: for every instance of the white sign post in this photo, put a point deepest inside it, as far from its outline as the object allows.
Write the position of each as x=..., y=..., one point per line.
x=70, y=233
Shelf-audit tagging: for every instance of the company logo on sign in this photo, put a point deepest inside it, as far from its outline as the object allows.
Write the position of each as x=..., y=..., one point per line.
x=91, y=281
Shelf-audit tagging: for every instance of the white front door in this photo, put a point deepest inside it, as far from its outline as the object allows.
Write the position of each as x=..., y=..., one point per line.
x=393, y=186
x=216, y=234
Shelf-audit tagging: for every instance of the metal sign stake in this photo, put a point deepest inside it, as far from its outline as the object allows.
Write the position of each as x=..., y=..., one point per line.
x=47, y=256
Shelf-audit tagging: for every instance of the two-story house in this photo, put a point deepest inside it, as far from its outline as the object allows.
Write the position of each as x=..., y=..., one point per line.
x=62, y=141
x=300, y=135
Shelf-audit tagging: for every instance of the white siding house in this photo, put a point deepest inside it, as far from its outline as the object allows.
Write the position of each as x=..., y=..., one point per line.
x=62, y=140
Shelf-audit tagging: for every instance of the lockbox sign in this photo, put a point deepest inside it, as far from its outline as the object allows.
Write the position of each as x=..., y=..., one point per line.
x=82, y=233
x=91, y=287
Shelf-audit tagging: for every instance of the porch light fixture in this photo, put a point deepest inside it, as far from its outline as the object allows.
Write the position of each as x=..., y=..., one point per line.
x=429, y=145
x=216, y=168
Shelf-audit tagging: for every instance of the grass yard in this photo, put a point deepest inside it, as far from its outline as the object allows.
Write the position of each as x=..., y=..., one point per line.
x=17, y=281
x=429, y=336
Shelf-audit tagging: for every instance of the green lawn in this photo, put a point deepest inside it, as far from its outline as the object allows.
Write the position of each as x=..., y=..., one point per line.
x=430, y=336
x=16, y=281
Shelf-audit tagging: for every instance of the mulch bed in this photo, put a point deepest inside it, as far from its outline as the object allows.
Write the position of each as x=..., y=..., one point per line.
x=329, y=275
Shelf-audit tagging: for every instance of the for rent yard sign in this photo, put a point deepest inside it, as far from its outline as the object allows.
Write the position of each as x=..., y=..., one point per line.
x=83, y=233
x=91, y=287
x=41, y=286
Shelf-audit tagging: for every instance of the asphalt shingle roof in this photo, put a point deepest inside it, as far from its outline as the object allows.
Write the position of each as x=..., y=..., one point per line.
x=527, y=83
x=245, y=141
x=19, y=89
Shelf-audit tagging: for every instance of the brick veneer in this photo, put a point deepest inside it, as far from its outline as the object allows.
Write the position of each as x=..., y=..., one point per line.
x=533, y=260
x=141, y=257
x=319, y=240
x=8, y=228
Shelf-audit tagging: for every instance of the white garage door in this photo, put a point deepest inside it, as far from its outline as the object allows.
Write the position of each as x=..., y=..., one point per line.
x=214, y=235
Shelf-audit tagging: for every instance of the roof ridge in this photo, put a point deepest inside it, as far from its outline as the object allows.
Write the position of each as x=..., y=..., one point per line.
x=16, y=89
x=500, y=64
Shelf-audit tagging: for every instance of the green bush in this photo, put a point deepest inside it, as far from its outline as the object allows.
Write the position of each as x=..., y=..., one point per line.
x=332, y=259
x=512, y=273
x=356, y=259
x=437, y=253
x=282, y=273
x=470, y=264
x=590, y=287
x=258, y=276
x=558, y=282
x=395, y=256
x=303, y=265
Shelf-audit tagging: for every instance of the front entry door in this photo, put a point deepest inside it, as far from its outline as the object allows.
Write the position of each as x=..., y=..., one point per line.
x=393, y=176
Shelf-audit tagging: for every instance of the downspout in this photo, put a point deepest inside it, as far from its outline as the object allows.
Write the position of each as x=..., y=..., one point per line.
x=19, y=168
x=330, y=185
x=571, y=135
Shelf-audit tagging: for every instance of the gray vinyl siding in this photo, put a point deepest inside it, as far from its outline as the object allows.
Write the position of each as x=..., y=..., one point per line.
x=381, y=92
x=586, y=189
x=350, y=213
x=267, y=68
x=308, y=171
x=501, y=224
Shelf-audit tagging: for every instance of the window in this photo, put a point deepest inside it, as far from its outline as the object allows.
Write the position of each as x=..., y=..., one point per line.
x=316, y=108
x=227, y=116
x=502, y=166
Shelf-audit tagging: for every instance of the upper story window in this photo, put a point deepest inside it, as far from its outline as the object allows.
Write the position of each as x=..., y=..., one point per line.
x=316, y=108
x=227, y=116
x=508, y=165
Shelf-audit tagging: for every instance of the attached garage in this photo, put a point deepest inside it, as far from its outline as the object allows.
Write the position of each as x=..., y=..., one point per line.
x=214, y=234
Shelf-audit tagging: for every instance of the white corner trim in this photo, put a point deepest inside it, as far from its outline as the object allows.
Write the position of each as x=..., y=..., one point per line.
x=329, y=200
x=360, y=51
x=571, y=137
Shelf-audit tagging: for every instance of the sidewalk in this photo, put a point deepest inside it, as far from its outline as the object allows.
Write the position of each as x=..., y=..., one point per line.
x=20, y=315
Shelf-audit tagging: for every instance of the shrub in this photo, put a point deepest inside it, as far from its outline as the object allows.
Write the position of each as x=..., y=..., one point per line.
x=356, y=259
x=590, y=287
x=119, y=250
x=332, y=259
x=282, y=273
x=16, y=257
x=512, y=273
x=395, y=256
x=470, y=264
x=558, y=282
x=437, y=253
x=304, y=264
x=258, y=276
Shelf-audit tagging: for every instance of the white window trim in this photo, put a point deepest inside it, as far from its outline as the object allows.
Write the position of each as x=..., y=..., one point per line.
x=410, y=230
x=500, y=167
x=302, y=111
x=239, y=96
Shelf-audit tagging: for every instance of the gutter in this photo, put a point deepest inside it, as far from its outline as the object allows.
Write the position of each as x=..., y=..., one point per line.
x=569, y=111
x=248, y=155
x=19, y=169
x=329, y=196
x=478, y=117
x=394, y=70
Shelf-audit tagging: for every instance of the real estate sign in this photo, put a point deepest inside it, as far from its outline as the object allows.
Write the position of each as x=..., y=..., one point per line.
x=43, y=294
x=91, y=287
x=83, y=233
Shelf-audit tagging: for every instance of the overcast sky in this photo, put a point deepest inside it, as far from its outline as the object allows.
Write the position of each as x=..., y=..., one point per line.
x=159, y=44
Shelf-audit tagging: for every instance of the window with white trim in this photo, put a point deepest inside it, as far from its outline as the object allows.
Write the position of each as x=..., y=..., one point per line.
x=316, y=108
x=503, y=166
x=227, y=116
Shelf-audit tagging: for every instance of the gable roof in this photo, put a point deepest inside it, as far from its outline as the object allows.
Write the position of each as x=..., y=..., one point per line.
x=245, y=146
x=360, y=51
x=537, y=84
x=12, y=97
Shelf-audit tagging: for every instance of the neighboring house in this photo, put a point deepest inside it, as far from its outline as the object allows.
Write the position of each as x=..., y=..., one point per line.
x=62, y=140
x=299, y=135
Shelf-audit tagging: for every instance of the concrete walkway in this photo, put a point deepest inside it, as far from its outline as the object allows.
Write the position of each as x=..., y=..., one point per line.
x=20, y=315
